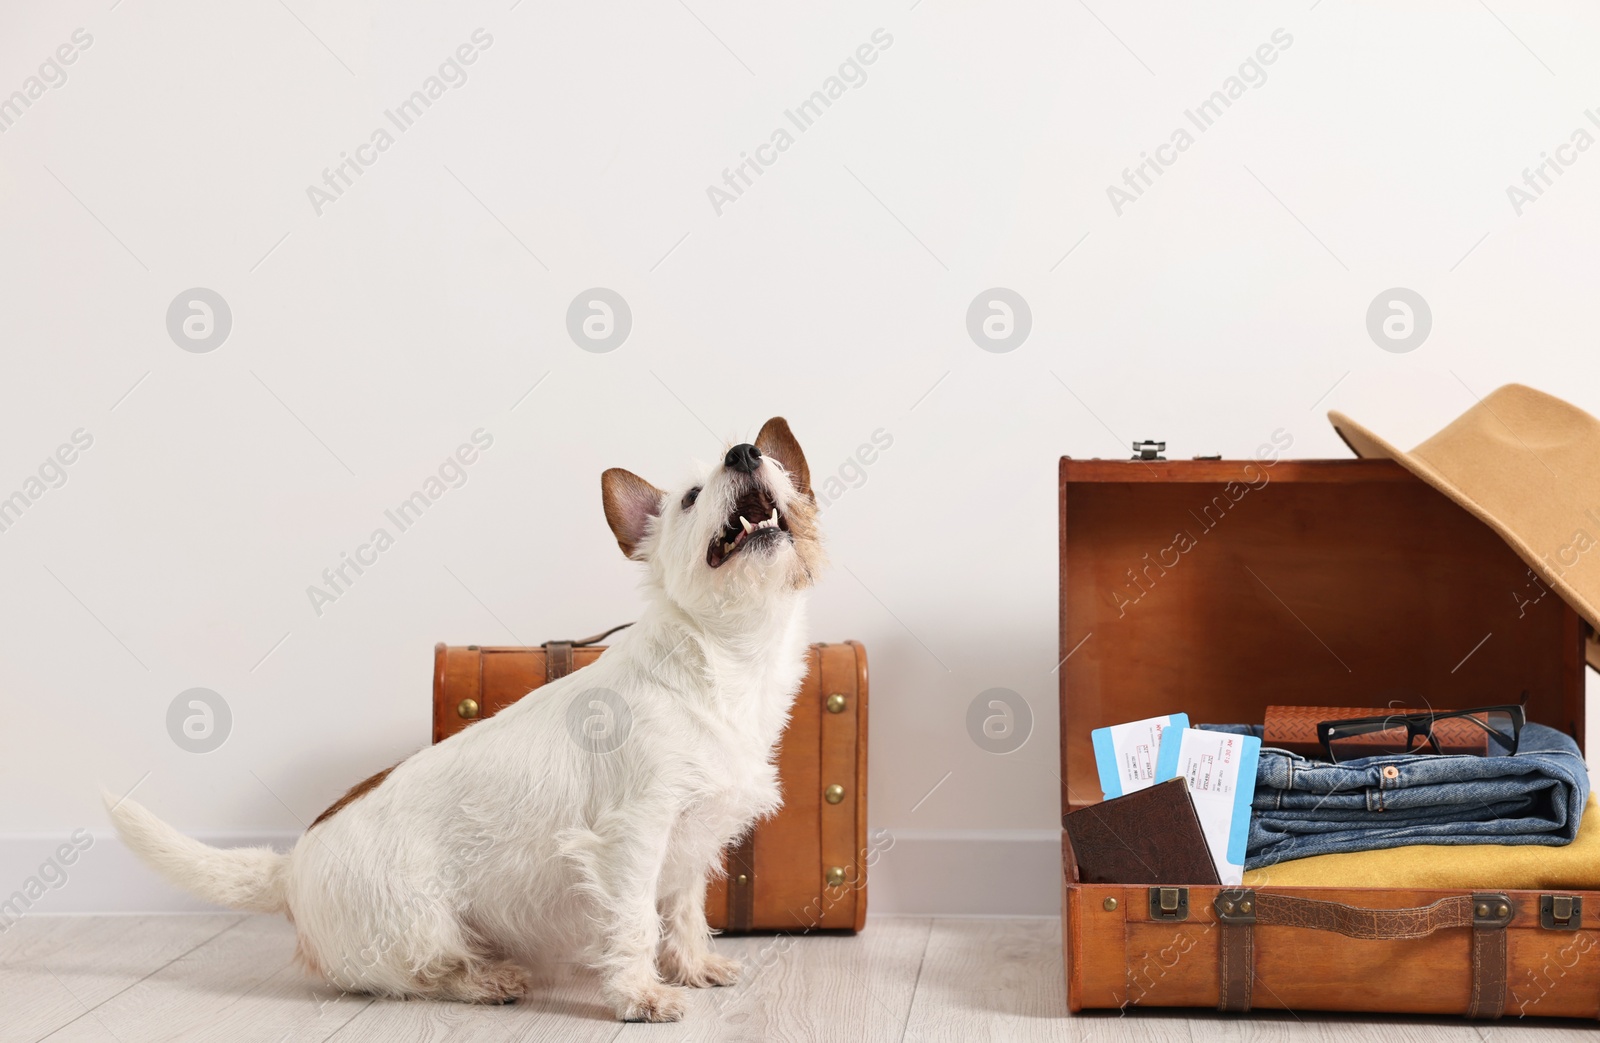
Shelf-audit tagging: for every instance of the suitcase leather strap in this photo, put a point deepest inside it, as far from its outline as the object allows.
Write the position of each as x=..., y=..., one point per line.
x=742, y=883
x=1488, y=969
x=557, y=660
x=843, y=870
x=1239, y=911
x=558, y=654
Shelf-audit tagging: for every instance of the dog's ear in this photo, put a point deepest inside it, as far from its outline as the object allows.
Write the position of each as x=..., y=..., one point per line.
x=777, y=441
x=630, y=503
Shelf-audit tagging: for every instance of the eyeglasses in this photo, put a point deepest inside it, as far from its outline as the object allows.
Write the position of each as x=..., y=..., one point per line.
x=1487, y=731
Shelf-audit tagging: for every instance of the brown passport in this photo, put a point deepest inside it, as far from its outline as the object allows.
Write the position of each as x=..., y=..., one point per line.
x=1149, y=836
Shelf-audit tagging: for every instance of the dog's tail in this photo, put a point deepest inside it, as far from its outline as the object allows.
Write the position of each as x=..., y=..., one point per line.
x=252, y=878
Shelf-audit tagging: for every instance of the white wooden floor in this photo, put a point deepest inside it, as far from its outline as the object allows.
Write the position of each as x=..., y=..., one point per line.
x=230, y=979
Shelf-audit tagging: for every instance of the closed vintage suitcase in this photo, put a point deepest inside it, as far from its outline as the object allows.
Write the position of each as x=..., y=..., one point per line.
x=803, y=869
x=1219, y=587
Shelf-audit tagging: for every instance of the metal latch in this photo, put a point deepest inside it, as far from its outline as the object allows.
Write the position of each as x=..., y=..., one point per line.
x=1148, y=450
x=1235, y=906
x=1560, y=912
x=1169, y=903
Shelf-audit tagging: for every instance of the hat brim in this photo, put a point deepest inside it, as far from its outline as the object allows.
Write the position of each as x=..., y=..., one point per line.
x=1368, y=444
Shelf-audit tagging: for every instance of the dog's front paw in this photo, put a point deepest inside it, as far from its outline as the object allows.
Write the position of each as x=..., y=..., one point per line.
x=652, y=1002
x=704, y=971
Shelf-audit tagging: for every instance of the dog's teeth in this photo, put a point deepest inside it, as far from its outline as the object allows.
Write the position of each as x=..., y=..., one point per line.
x=747, y=525
x=727, y=548
x=774, y=517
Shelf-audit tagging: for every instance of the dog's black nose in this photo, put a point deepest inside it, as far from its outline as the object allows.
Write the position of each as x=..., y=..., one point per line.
x=744, y=457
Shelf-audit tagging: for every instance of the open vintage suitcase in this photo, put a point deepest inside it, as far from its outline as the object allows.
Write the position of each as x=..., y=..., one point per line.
x=1309, y=582
x=803, y=869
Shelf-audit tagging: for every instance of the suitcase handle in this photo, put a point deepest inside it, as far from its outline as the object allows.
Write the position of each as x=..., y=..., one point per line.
x=558, y=654
x=1239, y=911
x=1353, y=921
x=593, y=639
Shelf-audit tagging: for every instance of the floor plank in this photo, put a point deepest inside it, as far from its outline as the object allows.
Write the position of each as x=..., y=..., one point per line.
x=242, y=986
x=806, y=988
x=566, y=1007
x=175, y=978
x=54, y=970
x=1528, y=1030
x=1276, y=1026
x=998, y=979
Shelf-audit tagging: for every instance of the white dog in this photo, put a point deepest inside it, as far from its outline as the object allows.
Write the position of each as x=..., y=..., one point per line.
x=586, y=819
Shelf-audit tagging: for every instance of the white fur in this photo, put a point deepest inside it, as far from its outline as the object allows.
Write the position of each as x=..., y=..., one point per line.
x=513, y=842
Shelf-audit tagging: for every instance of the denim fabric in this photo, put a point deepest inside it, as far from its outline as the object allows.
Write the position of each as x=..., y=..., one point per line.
x=1310, y=807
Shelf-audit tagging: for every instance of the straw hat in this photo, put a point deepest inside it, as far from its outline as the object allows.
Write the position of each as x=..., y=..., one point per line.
x=1528, y=465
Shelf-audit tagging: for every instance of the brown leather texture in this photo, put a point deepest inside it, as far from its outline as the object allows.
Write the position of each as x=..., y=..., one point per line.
x=1236, y=976
x=557, y=660
x=1149, y=836
x=1488, y=973
x=1119, y=955
x=741, y=866
x=1294, y=728
x=1240, y=912
x=1320, y=584
x=787, y=859
x=1279, y=910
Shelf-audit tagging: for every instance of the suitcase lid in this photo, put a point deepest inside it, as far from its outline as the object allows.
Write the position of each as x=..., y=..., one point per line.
x=1217, y=587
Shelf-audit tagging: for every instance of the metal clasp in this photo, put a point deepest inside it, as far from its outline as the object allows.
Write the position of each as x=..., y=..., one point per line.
x=1148, y=450
x=1560, y=912
x=1491, y=910
x=1169, y=903
x=1235, y=906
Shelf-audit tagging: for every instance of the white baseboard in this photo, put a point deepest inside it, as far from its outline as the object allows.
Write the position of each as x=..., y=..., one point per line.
x=967, y=872
x=921, y=873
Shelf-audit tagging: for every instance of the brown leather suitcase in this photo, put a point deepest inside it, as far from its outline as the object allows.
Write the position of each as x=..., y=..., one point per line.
x=803, y=869
x=1311, y=582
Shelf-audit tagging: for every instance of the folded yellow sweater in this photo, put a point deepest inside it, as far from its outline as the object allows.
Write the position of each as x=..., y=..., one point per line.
x=1574, y=866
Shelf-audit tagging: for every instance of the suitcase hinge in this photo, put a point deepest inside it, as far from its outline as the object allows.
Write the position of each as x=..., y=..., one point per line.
x=1560, y=912
x=1169, y=903
x=1235, y=906
x=1148, y=450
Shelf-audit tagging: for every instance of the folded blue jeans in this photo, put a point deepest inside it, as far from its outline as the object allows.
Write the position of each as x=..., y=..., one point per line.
x=1306, y=807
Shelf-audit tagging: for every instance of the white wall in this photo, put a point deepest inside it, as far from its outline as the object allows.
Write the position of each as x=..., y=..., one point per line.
x=1228, y=300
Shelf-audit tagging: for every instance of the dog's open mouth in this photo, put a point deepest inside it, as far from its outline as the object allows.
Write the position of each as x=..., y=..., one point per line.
x=754, y=520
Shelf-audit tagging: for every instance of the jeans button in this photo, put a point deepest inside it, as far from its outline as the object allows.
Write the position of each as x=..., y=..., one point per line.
x=1390, y=771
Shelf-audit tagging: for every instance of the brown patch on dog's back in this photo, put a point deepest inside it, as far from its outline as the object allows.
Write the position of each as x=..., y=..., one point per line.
x=356, y=792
